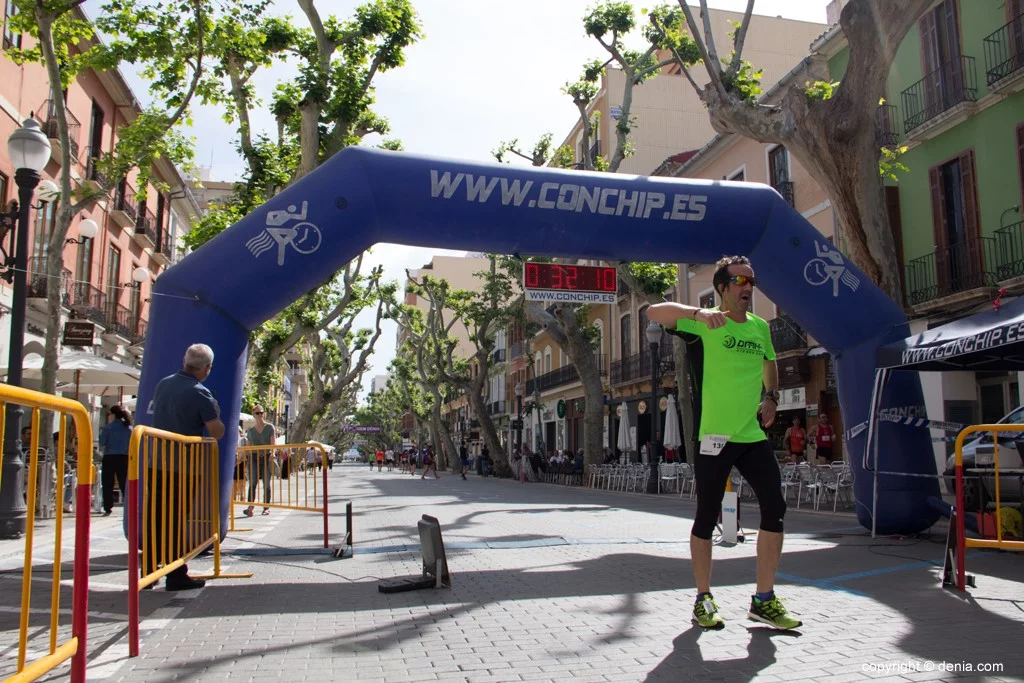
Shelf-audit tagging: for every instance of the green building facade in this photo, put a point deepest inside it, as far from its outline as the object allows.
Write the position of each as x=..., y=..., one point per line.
x=956, y=101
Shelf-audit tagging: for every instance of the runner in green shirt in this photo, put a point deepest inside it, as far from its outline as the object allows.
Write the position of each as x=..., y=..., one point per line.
x=737, y=359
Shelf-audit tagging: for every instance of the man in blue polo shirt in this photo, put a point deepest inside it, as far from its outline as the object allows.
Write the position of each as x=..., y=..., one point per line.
x=181, y=404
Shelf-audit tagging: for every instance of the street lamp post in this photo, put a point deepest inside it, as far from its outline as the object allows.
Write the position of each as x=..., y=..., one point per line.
x=29, y=150
x=654, y=333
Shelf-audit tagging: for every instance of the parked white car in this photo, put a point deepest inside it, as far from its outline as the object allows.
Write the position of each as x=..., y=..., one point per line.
x=979, y=454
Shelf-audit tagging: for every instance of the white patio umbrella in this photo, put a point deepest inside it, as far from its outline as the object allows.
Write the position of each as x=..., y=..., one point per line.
x=625, y=441
x=85, y=370
x=673, y=438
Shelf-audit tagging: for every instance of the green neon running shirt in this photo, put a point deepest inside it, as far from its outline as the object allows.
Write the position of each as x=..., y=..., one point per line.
x=734, y=358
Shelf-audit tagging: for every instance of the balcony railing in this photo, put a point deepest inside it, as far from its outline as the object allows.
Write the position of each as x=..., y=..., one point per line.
x=39, y=283
x=91, y=171
x=637, y=367
x=124, y=200
x=958, y=268
x=119, y=320
x=49, y=126
x=885, y=124
x=1004, y=50
x=498, y=356
x=951, y=84
x=516, y=350
x=556, y=378
x=164, y=246
x=785, y=188
x=139, y=332
x=1010, y=247
x=786, y=334
x=146, y=225
x=89, y=302
x=496, y=408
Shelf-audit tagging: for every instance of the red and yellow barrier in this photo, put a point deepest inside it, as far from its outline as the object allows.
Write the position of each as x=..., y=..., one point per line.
x=282, y=476
x=75, y=647
x=177, y=511
x=962, y=541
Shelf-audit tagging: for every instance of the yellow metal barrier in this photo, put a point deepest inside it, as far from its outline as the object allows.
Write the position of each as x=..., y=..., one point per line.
x=962, y=541
x=178, y=511
x=74, y=648
x=287, y=476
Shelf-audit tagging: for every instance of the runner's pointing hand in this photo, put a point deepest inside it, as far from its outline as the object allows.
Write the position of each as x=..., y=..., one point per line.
x=713, y=319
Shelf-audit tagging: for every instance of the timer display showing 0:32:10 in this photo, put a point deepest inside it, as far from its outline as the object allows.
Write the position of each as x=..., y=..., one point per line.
x=576, y=278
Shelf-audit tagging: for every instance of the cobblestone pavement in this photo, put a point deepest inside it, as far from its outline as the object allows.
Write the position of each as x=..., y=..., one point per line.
x=549, y=584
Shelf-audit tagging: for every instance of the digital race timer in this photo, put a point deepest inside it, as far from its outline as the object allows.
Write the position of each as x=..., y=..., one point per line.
x=570, y=278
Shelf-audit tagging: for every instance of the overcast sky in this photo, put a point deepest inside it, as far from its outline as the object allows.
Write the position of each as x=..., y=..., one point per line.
x=486, y=71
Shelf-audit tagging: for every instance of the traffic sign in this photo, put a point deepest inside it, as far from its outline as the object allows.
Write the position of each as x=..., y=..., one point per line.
x=362, y=429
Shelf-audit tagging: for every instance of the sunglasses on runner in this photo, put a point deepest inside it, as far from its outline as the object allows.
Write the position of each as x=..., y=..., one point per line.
x=740, y=280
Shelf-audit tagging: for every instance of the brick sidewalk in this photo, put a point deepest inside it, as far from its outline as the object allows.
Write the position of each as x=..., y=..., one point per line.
x=555, y=583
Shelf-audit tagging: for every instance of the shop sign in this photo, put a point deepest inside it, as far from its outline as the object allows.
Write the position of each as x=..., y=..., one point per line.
x=641, y=407
x=561, y=408
x=812, y=410
x=78, y=333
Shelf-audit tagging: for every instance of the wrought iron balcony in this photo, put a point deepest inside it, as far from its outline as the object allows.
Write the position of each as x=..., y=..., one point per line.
x=1010, y=248
x=139, y=332
x=556, y=378
x=951, y=84
x=49, y=126
x=146, y=226
x=39, y=282
x=885, y=124
x=164, y=247
x=785, y=188
x=637, y=367
x=1004, y=50
x=119, y=320
x=91, y=171
x=516, y=349
x=496, y=408
x=124, y=212
x=786, y=334
x=89, y=302
x=958, y=268
x=498, y=356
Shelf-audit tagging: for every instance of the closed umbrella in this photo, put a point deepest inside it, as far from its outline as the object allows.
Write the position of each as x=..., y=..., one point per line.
x=625, y=442
x=673, y=437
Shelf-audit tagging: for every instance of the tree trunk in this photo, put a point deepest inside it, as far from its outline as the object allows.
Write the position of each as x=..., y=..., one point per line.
x=581, y=354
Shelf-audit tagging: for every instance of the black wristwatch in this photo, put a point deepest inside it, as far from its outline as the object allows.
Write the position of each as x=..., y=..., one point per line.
x=772, y=396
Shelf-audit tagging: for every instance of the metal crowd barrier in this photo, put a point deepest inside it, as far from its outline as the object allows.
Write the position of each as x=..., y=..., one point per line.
x=282, y=476
x=961, y=541
x=75, y=647
x=180, y=511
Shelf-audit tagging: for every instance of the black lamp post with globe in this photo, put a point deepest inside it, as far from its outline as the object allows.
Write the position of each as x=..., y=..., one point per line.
x=29, y=151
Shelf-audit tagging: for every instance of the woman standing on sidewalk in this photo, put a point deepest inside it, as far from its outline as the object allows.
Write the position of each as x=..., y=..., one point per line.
x=114, y=440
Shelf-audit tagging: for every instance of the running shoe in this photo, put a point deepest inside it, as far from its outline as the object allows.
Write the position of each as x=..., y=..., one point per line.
x=773, y=613
x=705, y=614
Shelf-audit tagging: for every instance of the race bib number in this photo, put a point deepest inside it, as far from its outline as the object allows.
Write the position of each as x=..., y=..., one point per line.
x=712, y=444
x=825, y=438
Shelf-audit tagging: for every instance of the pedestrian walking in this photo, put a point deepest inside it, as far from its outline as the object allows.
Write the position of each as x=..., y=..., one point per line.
x=114, y=439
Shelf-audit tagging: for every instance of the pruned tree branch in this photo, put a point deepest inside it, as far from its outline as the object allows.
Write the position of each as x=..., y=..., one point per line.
x=741, y=36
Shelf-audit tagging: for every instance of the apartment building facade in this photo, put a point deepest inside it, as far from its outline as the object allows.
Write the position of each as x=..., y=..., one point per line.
x=138, y=227
x=666, y=114
x=956, y=101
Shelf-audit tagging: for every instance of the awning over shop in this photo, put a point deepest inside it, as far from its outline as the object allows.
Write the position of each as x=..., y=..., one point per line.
x=989, y=340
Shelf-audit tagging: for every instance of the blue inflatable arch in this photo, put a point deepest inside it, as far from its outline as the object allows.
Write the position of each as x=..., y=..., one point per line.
x=360, y=197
